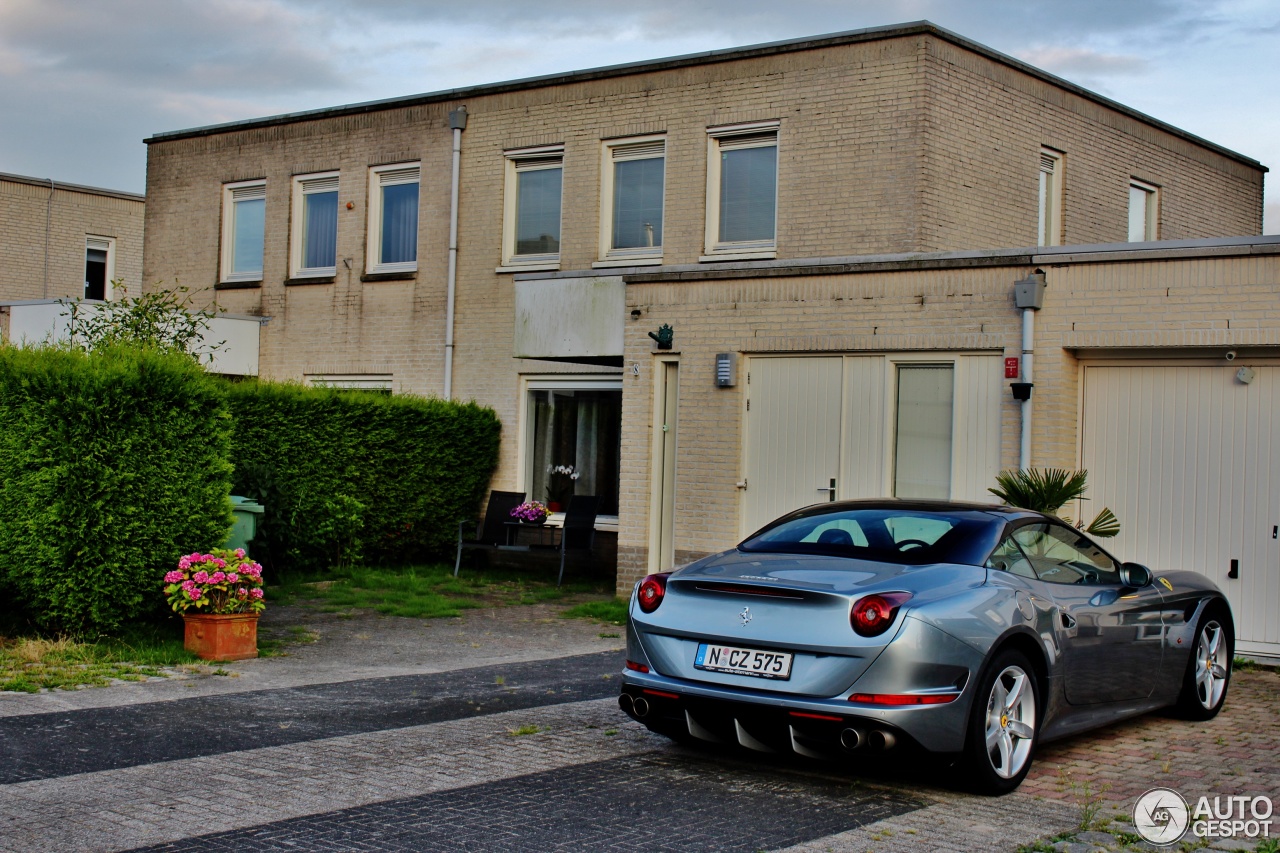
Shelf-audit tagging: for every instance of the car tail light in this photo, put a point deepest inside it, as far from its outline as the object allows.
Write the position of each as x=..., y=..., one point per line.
x=652, y=590
x=904, y=698
x=873, y=614
x=636, y=667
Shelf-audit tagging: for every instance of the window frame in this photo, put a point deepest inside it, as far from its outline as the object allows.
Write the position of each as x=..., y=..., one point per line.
x=520, y=160
x=642, y=148
x=527, y=424
x=108, y=245
x=381, y=177
x=760, y=134
x=1049, y=197
x=252, y=190
x=297, y=230
x=1150, y=211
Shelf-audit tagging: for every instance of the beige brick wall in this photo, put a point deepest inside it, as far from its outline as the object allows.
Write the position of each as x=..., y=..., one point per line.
x=1185, y=307
x=900, y=144
x=71, y=215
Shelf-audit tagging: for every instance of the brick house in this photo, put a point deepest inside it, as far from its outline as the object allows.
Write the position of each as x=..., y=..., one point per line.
x=830, y=214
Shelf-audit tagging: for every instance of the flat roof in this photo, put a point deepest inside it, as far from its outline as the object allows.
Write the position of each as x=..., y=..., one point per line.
x=692, y=59
x=76, y=188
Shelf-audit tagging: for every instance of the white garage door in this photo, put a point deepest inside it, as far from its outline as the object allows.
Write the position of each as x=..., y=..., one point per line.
x=862, y=426
x=1189, y=459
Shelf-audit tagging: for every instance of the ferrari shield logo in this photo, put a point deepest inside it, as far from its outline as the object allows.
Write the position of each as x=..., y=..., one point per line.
x=745, y=616
x=1166, y=583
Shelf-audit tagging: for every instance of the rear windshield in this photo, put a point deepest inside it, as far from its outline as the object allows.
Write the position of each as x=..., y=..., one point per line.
x=906, y=536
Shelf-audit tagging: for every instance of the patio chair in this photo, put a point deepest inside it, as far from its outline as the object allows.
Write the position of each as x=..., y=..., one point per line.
x=579, y=530
x=492, y=532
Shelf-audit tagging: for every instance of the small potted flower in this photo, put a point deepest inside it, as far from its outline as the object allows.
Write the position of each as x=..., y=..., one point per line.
x=560, y=482
x=530, y=512
x=219, y=595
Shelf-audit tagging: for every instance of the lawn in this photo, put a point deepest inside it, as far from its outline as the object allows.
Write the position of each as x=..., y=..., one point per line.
x=29, y=664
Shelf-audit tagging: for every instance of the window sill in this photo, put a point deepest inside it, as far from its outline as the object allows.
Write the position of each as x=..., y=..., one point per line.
x=648, y=261
x=241, y=284
x=744, y=255
x=534, y=267
x=407, y=275
x=310, y=279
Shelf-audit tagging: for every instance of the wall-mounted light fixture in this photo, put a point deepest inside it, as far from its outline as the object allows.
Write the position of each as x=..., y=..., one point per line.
x=664, y=336
x=726, y=369
x=635, y=313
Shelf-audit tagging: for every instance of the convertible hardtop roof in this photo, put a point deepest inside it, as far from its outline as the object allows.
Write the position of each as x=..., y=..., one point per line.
x=922, y=506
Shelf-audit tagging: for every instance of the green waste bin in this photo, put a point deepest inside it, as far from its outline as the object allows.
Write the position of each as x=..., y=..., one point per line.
x=246, y=512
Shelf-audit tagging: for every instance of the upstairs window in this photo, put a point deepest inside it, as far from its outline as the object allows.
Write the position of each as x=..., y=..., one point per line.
x=742, y=189
x=393, y=218
x=1143, y=206
x=99, y=266
x=531, y=230
x=634, y=178
x=244, y=219
x=1050, y=228
x=315, y=225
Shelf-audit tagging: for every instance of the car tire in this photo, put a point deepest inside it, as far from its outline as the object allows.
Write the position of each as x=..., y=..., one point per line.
x=1003, y=725
x=1208, y=671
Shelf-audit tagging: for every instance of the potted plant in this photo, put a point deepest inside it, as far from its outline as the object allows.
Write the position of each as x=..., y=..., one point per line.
x=219, y=595
x=560, y=480
x=530, y=512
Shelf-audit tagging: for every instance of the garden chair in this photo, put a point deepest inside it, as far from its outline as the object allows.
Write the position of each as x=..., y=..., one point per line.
x=579, y=529
x=493, y=531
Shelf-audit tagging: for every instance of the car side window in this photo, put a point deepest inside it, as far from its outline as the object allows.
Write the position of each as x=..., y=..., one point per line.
x=1007, y=557
x=1060, y=554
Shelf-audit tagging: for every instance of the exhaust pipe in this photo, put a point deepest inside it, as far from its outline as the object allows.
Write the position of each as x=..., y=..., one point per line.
x=852, y=738
x=881, y=740
x=640, y=706
x=626, y=703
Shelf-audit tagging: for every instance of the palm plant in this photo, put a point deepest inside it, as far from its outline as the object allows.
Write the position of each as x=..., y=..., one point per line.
x=1049, y=490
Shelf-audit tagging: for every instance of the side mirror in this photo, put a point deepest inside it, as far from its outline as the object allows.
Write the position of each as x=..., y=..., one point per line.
x=1135, y=575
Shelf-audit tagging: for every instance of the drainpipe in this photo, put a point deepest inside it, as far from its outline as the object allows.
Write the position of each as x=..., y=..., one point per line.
x=1028, y=294
x=458, y=123
x=48, y=225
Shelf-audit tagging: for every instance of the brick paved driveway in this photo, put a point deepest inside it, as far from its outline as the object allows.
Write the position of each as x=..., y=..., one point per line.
x=500, y=731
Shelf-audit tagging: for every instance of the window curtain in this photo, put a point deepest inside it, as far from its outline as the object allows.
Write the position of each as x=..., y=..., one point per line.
x=250, y=224
x=320, y=240
x=399, y=223
x=748, y=194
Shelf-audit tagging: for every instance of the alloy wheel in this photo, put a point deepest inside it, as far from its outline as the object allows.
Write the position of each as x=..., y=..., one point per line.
x=1211, y=665
x=1011, y=720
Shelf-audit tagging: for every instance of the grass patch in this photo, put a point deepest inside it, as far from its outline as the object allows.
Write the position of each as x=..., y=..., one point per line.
x=613, y=611
x=428, y=592
x=28, y=665
x=527, y=730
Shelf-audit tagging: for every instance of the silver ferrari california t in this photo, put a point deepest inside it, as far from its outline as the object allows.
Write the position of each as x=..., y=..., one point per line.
x=980, y=631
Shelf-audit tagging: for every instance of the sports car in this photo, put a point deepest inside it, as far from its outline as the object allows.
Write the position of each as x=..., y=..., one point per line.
x=971, y=630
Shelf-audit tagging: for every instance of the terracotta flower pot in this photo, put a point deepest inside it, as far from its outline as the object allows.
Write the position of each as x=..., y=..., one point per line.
x=221, y=636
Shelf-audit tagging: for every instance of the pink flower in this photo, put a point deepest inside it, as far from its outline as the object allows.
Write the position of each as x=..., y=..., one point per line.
x=218, y=577
x=242, y=592
x=184, y=563
x=233, y=577
x=219, y=562
x=201, y=576
x=188, y=585
x=193, y=594
x=256, y=592
x=240, y=553
x=173, y=577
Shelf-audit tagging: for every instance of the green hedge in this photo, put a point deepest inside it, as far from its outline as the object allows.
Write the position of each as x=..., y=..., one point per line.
x=348, y=476
x=112, y=465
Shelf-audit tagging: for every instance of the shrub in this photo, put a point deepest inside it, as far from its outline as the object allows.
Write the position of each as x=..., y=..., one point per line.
x=352, y=476
x=112, y=465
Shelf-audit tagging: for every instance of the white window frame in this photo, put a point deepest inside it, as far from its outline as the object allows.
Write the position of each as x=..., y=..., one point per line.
x=556, y=382
x=107, y=244
x=378, y=382
x=760, y=134
x=1150, y=212
x=618, y=150
x=520, y=160
x=232, y=193
x=1049, y=198
x=304, y=185
x=385, y=176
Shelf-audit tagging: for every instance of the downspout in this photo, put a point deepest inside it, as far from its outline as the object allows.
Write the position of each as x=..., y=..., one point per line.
x=48, y=226
x=1028, y=294
x=458, y=123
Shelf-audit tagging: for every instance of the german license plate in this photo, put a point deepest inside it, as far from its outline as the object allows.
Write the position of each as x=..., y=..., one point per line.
x=743, y=661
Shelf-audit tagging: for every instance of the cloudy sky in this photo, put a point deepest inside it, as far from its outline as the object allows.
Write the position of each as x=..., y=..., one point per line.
x=82, y=82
